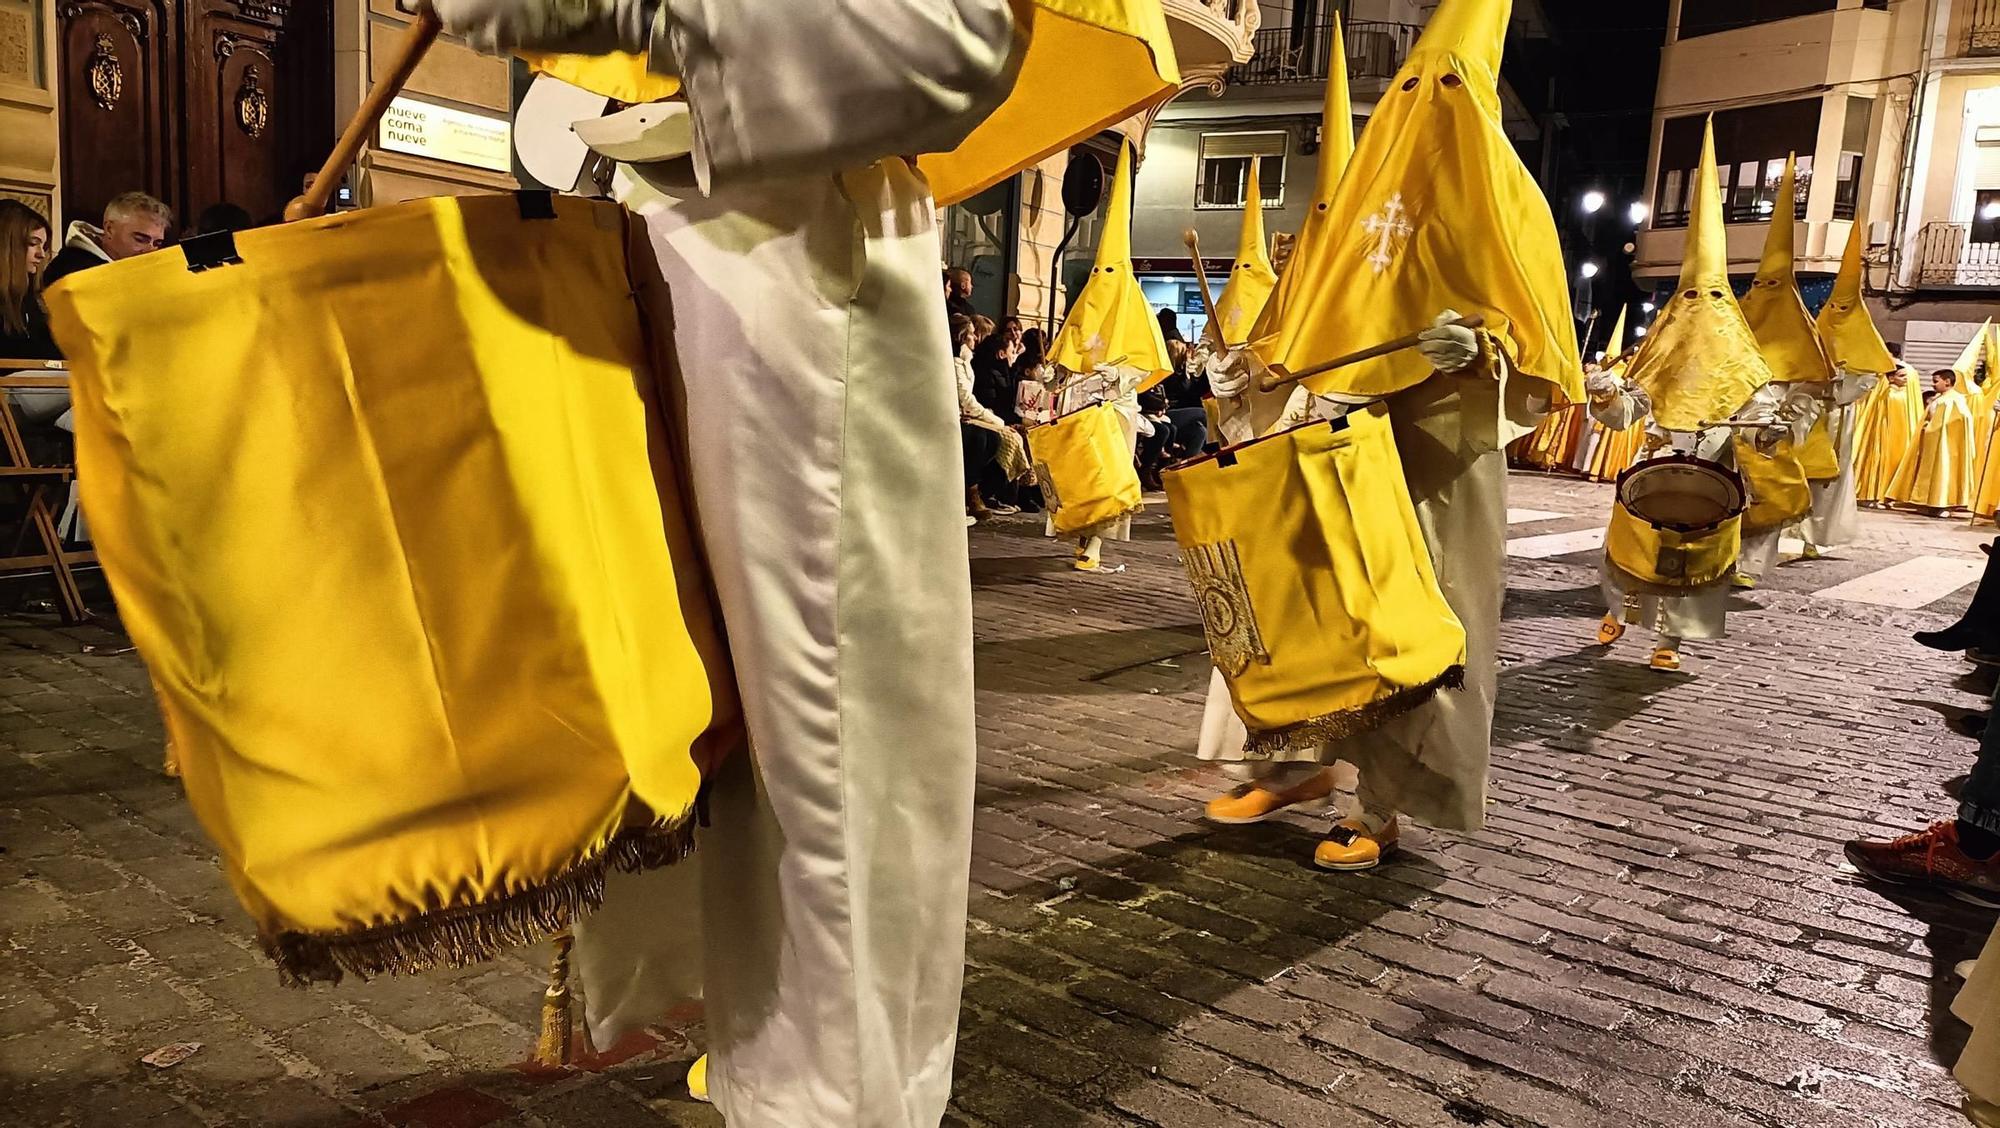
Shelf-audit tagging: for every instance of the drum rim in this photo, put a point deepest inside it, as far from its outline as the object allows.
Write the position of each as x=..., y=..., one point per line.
x=1735, y=476
x=1336, y=425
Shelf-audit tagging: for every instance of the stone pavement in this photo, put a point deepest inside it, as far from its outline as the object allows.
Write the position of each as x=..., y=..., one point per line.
x=1655, y=928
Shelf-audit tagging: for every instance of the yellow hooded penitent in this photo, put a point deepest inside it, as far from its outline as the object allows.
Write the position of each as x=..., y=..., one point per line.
x=1845, y=328
x=1251, y=279
x=1435, y=212
x=1336, y=150
x=1773, y=308
x=622, y=76
x=1701, y=364
x=1110, y=322
x=1615, y=347
x=1090, y=64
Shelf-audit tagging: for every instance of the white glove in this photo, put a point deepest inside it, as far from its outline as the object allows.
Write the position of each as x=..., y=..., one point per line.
x=1230, y=373
x=1449, y=348
x=591, y=27
x=1773, y=433
x=1601, y=386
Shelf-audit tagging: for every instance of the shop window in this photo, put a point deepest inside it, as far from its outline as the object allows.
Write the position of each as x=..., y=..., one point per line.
x=1751, y=144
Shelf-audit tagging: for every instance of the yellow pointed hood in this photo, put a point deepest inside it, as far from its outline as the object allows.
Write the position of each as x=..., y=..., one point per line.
x=1336, y=150
x=1090, y=64
x=1435, y=212
x=1616, y=345
x=1701, y=364
x=1979, y=350
x=1846, y=329
x=1251, y=279
x=1775, y=311
x=1110, y=322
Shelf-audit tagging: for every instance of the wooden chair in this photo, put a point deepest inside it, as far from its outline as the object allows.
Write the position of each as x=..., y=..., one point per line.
x=38, y=485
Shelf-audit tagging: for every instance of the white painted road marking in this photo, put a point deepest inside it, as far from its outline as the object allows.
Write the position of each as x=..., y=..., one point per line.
x=1528, y=516
x=1917, y=582
x=1551, y=545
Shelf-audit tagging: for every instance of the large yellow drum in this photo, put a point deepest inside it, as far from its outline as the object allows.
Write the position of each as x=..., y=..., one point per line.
x=1083, y=462
x=390, y=509
x=1317, y=593
x=1678, y=522
x=1779, y=491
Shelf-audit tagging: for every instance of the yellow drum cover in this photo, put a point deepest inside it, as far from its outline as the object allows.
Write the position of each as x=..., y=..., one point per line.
x=1317, y=592
x=1779, y=493
x=1084, y=464
x=390, y=511
x=1817, y=456
x=1678, y=522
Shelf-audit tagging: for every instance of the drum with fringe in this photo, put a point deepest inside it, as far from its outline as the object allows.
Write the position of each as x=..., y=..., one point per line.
x=1317, y=592
x=1083, y=462
x=1779, y=491
x=1678, y=522
x=390, y=508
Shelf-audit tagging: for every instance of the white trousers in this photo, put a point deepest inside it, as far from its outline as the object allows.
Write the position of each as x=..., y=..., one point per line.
x=829, y=892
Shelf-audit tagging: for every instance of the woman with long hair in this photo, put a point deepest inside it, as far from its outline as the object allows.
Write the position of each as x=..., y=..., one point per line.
x=24, y=248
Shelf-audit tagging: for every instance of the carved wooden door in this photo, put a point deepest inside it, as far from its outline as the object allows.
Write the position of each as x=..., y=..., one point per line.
x=119, y=117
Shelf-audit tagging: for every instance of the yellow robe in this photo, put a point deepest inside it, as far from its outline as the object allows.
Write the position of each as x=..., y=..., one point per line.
x=1938, y=471
x=1890, y=419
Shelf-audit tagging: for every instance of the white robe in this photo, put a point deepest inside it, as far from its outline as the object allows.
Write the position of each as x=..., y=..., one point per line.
x=1836, y=515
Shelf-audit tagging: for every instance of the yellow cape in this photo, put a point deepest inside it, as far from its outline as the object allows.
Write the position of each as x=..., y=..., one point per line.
x=1110, y=322
x=1435, y=212
x=1701, y=363
x=1089, y=65
x=1938, y=471
x=1251, y=279
x=1776, y=314
x=1336, y=151
x=1889, y=420
x=1845, y=327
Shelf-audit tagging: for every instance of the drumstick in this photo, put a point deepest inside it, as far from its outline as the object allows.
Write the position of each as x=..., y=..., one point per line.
x=416, y=43
x=1274, y=380
x=1193, y=240
x=1746, y=425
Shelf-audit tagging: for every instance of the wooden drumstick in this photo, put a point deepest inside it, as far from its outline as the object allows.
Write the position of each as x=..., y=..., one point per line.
x=416, y=43
x=1274, y=380
x=1193, y=240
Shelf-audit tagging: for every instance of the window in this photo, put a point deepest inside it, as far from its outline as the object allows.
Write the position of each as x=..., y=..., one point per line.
x=1705, y=17
x=1750, y=148
x=1223, y=175
x=1986, y=216
x=1853, y=147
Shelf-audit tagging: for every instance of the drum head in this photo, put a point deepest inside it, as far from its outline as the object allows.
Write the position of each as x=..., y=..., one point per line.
x=1681, y=493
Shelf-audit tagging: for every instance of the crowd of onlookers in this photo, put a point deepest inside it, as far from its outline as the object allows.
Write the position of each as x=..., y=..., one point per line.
x=1006, y=385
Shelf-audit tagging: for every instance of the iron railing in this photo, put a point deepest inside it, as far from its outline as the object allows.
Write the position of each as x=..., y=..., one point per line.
x=1958, y=254
x=1375, y=52
x=1982, y=27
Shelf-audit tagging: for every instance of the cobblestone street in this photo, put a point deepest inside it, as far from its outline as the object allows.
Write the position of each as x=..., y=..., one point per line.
x=1656, y=928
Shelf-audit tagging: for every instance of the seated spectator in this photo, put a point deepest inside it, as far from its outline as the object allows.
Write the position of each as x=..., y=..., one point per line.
x=24, y=249
x=995, y=455
x=993, y=376
x=217, y=218
x=134, y=224
x=1186, y=413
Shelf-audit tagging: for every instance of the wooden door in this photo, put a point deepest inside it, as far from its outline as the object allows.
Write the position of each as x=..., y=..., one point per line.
x=258, y=87
x=118, y=60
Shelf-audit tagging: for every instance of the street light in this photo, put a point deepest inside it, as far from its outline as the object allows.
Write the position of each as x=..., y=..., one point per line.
x=1593, y=202
x=1639, y=332
x=1991, y=210
x=1639, y=213
x=1647, y=306
x=1590, y=270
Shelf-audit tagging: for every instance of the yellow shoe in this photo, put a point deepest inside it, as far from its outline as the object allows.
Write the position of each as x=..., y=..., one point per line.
x=698, y=1079
x=1351, y=846
x=1742, y=581
x=1811, y=552
x=1253, y=804
x=1666, y=661
x=1610, y=630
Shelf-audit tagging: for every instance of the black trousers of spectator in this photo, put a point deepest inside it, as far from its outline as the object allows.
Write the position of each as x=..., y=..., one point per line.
x=982, y=450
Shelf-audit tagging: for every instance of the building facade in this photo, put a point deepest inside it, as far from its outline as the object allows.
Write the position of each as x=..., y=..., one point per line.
x=201, y=102
x=1893, y=107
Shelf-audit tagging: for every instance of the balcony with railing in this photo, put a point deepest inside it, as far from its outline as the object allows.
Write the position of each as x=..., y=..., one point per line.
x=1287, y=55
x=1979, y=34
x=1961, y=256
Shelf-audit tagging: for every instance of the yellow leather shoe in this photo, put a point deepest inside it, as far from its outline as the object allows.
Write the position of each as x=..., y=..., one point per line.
x=1351, y=846
x=1666, y=661
x=1610, y=630
x=1811, y=552
x=1742, y=581
x=1253, y=804
x=698, y=1079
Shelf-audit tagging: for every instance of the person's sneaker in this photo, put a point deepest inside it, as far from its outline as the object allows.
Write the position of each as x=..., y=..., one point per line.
x=1930, y=858
x=697, y=1080
x=1253, y=804
x=1352, y=846
x=1003, y=510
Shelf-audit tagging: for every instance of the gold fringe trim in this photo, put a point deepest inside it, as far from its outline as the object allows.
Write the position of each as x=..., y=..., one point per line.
x=463, y=935
x=1310, y=734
